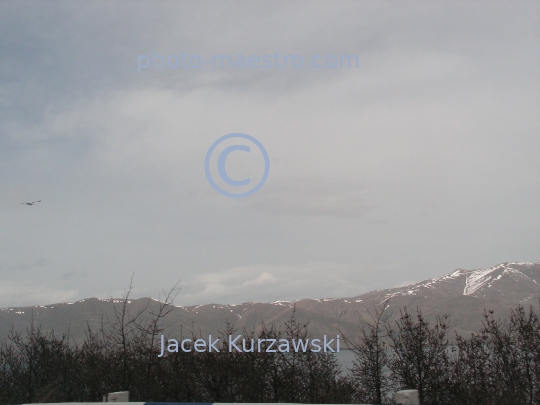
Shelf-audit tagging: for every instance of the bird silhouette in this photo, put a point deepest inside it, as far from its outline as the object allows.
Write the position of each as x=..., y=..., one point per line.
x=31, y=203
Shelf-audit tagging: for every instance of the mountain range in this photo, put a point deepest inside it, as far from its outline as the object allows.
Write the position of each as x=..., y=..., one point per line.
x=462, y=294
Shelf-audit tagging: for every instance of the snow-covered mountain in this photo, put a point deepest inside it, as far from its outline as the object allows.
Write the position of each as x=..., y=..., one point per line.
x=516, y=282
x=463, y=294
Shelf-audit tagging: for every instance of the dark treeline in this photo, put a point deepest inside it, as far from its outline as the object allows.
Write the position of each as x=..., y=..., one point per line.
x=500, y=364
x=123, y=356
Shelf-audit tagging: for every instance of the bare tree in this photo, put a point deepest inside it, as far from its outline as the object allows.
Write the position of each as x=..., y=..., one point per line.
x=370, y=367
x=420, y=358
x=150, y=330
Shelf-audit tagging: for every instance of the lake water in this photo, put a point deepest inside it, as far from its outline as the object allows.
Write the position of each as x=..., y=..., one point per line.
x=345, y=359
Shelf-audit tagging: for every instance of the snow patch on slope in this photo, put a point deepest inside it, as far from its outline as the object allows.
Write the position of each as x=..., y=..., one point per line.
x=478, y=279
x=485, y=278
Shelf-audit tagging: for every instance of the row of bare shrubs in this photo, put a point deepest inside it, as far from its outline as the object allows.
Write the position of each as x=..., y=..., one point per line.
x=500, y=364
x=123, y=356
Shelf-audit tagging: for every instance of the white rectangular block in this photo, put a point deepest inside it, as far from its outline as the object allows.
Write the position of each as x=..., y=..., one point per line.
x=408, y=397
x=121, y=396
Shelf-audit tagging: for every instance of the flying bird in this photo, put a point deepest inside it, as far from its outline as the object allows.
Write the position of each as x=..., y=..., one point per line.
x=31, y=203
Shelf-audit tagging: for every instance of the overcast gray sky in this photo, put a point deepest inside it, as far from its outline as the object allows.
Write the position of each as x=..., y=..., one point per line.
x=424, y=159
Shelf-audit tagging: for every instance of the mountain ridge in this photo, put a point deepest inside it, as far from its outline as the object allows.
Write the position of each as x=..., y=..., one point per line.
x=463, y=294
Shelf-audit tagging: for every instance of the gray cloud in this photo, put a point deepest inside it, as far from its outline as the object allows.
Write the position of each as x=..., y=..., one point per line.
x=310, y=197
x=422, y=160
x=263, y=283
x=23, y=293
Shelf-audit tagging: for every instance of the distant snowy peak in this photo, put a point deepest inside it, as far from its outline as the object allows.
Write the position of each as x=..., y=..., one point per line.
x=479, y=279
x=506, y=273
x=516, y=281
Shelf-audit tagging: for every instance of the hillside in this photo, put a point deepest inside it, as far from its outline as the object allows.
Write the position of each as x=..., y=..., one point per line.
x=463, y=294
